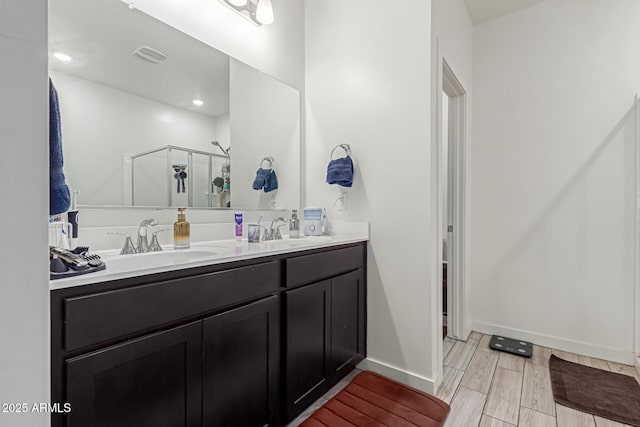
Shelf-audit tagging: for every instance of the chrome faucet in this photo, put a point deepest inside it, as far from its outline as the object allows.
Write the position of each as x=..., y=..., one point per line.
x=143, y=243
x=273, y=233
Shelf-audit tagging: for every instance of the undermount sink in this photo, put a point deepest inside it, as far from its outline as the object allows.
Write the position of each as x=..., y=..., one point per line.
x=158, y=259
x=197, y=252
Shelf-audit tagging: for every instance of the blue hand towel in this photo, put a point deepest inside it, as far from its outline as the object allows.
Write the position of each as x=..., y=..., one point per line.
x=272, y=182
x=59, y=196
x=261, y=179
x=340, y=171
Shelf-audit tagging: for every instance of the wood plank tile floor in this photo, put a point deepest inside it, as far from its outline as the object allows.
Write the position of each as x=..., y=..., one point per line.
x=488, y=388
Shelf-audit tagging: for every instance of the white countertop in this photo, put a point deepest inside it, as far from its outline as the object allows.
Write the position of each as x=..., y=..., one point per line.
x=200, y=254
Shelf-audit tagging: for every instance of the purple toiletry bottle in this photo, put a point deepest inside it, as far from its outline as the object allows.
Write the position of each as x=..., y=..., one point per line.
x=238, y=223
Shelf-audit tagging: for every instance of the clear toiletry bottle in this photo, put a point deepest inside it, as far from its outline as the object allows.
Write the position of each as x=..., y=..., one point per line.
x=294, y=225
x=181, y=231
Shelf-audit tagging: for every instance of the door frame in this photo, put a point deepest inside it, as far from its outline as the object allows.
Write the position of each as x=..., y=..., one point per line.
x=456, y=146
x=637, y=229
x=457, y=280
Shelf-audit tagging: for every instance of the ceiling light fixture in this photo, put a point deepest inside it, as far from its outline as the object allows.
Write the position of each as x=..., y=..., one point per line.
x=257, y=11
x=62, y=57
x=198, y=103
x=264, y=12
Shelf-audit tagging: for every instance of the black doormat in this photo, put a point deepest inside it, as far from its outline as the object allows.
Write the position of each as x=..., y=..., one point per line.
x=595, y=391
x=509, y=345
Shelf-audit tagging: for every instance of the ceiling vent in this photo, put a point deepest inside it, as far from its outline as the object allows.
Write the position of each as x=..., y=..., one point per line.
x=149, y=54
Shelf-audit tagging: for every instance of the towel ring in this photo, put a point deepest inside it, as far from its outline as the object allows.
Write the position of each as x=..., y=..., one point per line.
x=345, y=147
x=269, y=159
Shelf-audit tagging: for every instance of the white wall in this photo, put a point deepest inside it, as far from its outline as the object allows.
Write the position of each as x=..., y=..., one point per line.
x=276, y=49
x=369, y=84
x=24, y=306
x=102, y=125
x=452, y=26
x=553, y=175
x=265, y=122
x=223, y=131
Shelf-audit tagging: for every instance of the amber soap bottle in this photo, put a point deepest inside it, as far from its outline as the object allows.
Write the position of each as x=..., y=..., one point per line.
x=181, y=231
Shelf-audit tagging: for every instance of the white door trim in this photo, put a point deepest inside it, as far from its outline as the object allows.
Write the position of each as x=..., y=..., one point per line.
x=637, y=228
x=457, y=137
x=458, y=252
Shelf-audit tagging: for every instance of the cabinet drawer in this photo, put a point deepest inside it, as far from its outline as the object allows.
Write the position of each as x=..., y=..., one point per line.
x=96, y=318
x=312, y=268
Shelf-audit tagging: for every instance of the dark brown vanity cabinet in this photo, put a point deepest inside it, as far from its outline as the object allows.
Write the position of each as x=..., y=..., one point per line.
x=222, y=371
x=240, y=366
x=206, y=346
x=307, y=354
x=152, y=381
x=348, y=319
x=325, y=329
x=179, y=349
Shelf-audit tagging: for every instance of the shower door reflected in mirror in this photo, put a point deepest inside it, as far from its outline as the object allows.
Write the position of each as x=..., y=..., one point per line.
x=153, y=117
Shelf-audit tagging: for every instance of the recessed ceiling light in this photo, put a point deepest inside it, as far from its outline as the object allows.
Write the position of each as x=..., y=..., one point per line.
x=198, y=103
x=62, y=57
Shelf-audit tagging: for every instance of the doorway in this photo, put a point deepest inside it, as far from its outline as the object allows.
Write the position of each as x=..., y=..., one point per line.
x=445, y=207
x=451, y=176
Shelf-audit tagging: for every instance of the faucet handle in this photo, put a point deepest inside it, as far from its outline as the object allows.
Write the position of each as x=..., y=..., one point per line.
x=154, y=246
x=128, y=247
x=278, y=235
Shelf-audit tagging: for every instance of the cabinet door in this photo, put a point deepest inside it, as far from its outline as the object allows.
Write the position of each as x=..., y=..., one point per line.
x=241, y=366
x=347, y=323
x=152, y=381
x=307, y=345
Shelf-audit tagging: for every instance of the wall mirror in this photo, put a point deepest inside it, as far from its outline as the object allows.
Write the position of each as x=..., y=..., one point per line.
x=153, y=117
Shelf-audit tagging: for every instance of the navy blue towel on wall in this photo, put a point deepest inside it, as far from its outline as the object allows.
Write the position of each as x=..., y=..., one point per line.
x=261, y=179
x=265, y=179
x=59, y=196
x=272, y=182
x=340, y=171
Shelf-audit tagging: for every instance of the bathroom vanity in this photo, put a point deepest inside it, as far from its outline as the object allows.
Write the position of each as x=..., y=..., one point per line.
x=234, y=342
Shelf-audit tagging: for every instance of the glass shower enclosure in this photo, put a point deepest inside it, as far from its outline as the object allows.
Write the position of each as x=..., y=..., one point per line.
x=180, y=177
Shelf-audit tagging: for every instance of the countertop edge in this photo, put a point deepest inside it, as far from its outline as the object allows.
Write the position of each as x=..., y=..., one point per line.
x=106, y=276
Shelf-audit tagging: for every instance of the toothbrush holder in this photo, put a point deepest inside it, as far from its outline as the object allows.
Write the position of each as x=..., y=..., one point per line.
x=253, y=233
x=59, y=234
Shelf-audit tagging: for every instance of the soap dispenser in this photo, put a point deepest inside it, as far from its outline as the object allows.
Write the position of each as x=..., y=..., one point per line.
x=294, y=225
x=181, y=231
